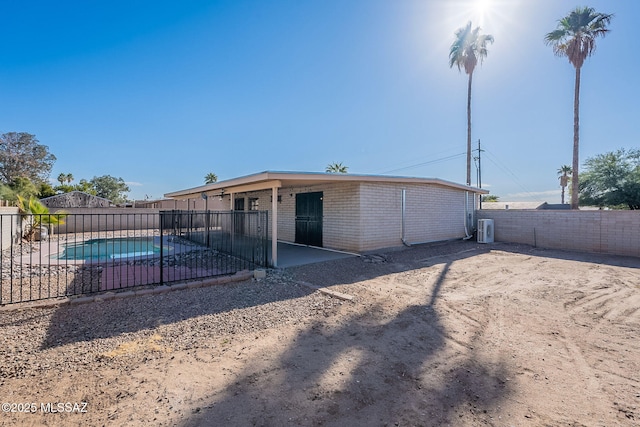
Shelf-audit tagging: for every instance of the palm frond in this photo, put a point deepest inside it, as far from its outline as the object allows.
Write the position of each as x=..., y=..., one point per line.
x=468, y=47
x=575, y=35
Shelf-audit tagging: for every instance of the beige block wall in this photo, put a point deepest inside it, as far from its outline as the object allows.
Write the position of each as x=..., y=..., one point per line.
x=432, y=213
x=609, y=232
x=360, y=217
x=380, y=216
x=9, y=226
x=213, y=203
x=340, y=213
x=107, y=219
x=342, y=220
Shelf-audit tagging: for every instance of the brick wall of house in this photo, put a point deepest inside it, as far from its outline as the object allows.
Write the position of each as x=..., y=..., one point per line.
x=432, y=213
x=361, y=217
x=381, y=216
x=609, y=232
x=341, y=228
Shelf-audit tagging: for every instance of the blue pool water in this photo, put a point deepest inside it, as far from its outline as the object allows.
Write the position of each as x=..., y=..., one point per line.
x=112, y=249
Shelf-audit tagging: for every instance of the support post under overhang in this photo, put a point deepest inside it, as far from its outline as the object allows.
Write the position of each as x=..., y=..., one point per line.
x=274, y=227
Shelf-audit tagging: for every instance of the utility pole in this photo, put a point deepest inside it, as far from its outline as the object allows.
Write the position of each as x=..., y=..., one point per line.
x=479, y=169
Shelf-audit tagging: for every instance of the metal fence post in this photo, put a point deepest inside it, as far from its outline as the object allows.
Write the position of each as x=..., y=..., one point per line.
x=161, y=248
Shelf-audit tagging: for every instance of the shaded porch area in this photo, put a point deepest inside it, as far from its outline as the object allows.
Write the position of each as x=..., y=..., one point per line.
x=291, y=254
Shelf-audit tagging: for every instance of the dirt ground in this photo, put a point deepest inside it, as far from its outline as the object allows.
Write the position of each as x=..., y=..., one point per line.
x=457, y=334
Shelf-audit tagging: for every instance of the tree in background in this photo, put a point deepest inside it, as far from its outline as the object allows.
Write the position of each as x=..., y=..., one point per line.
x=575, y=38
x=468, y=48
x=65, y=177
x=210, y=178
x=612, y=180
x=111, y=188
x=21, y=156
x=336, y=168
x=85, y=186
x=38, y=215
x=490, y=198
x=564, y=176
x=25, y=188
x=21, y=186
x=25, y=166
x=46, y=190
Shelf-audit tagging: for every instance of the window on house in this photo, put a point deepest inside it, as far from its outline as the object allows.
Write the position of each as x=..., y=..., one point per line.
x=254, y=204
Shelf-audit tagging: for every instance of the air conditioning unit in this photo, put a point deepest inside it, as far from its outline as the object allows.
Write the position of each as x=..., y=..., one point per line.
x=485, y=231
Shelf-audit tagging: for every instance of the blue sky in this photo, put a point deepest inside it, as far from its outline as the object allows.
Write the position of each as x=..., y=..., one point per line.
x=160, y=93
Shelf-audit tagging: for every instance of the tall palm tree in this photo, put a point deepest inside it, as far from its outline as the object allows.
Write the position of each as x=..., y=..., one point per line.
x=68, y=178
x=336, y=168
x=563, y=176
x=210, y=178
x=62, y=178
x=468, y=48
x=575, y=38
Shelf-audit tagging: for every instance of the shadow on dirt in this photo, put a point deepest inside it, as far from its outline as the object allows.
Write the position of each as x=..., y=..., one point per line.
x=346, y=271
x=86, y=322
x=111, y=318
x=374, y=368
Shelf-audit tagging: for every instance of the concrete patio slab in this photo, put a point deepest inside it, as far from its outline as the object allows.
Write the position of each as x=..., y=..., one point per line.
x=291, y=254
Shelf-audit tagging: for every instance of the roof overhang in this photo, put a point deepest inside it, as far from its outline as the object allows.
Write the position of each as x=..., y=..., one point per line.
x=269, y=180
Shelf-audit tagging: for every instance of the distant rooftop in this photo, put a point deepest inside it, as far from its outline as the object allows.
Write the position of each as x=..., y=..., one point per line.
x=523, y=206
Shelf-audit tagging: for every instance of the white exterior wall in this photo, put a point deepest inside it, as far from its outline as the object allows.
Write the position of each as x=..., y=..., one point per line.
x=435, y=213
x=340, y=207
x=342, y=227
x=366, y=216
x=381, y=216
x=432, y=213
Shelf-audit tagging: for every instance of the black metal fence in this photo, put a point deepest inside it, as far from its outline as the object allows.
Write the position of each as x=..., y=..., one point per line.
x=88, y=253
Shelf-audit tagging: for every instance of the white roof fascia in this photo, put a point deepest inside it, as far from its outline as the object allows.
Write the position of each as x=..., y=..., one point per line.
x=269, y=179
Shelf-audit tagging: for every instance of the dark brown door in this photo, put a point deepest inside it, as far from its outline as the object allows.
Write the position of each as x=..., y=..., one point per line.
x=309, y=218
x=238, y=216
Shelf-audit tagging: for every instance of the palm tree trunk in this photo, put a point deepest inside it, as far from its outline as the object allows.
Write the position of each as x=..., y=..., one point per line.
x=576, y=142
x=469, y=130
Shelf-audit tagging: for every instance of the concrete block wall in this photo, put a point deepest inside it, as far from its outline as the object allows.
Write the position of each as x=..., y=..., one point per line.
x=342, y=221
x=9, y=226
x=608, y=232
x=213, y=203
x=101, y=219
x=432, y=213
x=362, y=217
x=381, y=216
x=286, y=209
x=340, y=202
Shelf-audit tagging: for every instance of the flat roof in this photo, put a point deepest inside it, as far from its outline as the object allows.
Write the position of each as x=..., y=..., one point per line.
x=270, y=179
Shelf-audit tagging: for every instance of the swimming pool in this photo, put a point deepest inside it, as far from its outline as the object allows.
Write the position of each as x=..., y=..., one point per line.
x=112, y=249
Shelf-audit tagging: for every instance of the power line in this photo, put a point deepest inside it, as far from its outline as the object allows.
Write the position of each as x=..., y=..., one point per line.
x=493, y=159
x=417, y=165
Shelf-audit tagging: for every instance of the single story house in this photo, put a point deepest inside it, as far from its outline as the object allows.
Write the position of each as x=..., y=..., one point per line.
x=355, y=213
